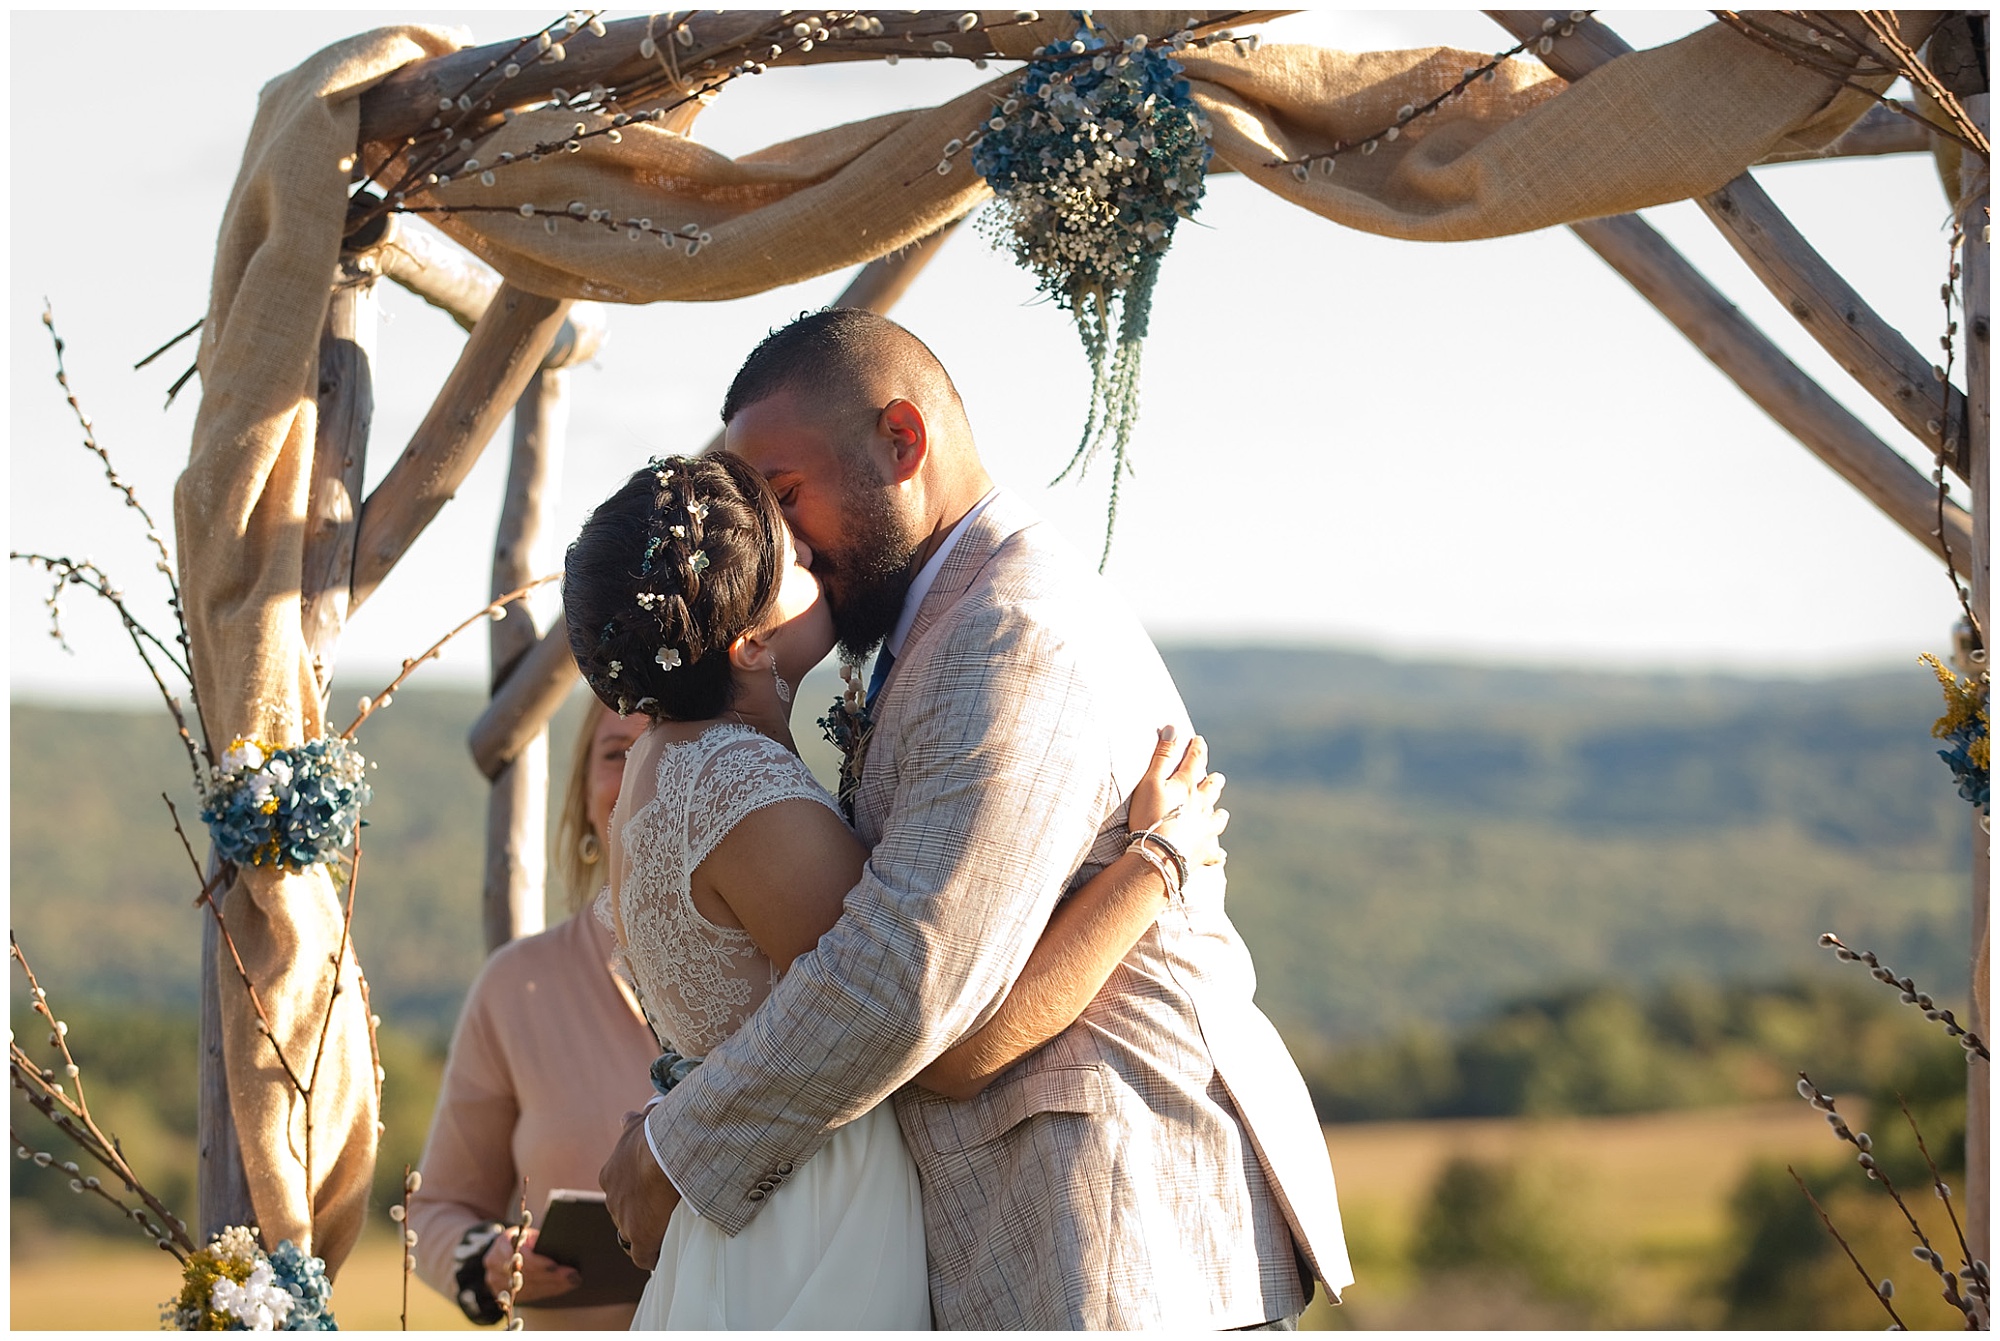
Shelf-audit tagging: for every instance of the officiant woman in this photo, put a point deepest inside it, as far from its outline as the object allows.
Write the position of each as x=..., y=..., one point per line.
x=549, y=1055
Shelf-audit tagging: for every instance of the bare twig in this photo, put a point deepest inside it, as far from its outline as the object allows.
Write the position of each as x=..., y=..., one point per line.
x=496, y=609
x=1881, y=1297
x=169, y=344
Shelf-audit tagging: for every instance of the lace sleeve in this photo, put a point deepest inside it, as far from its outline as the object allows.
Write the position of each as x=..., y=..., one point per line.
x=698, y=981
x=745, y=772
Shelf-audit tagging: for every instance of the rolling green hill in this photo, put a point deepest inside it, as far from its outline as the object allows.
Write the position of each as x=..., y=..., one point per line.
x=1409, y=841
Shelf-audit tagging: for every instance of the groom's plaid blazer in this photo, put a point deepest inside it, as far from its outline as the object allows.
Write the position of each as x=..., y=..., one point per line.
x=1155, y=1163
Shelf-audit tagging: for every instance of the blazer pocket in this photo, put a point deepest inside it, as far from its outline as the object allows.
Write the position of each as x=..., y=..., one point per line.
x=951, y=1127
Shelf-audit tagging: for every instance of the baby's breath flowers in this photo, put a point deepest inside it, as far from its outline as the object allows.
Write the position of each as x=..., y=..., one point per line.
x=1094, y=157
x=232, y=1285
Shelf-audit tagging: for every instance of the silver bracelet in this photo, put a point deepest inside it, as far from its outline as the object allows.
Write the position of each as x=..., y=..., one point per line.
x=1145, y=841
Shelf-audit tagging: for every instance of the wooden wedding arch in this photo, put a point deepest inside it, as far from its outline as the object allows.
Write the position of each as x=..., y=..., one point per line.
x=279, y=547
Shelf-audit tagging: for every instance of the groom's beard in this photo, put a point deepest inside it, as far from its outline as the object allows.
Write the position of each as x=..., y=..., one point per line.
x=868, y=579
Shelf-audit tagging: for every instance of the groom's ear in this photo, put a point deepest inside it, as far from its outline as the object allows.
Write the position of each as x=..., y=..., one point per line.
x=901, y=424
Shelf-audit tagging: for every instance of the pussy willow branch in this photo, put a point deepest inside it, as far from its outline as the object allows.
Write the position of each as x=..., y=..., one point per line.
x=400, y=1213
x=46, y=1095
x=1974, y=1281
x=496, y=609
x=1968, y=1040
x=90, y=1183
x=209, y=884
x=1823, y=1103
x=1823, y=60
x=243, y=974
x=1948, y=292
x=84, y=573
x=1552, y=28
x=437, y=167
x=460, y=102
x=1823, y=1219
x=165, y=564
x=447, y=150
x=332, y=999
x=1882, y=27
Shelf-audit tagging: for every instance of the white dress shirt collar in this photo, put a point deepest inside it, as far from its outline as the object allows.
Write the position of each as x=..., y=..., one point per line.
x=927, y=575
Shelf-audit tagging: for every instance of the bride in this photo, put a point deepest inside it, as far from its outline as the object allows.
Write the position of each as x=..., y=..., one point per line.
x=689, y=601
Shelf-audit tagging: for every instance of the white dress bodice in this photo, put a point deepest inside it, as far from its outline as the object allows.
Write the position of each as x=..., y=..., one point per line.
x=698, y=981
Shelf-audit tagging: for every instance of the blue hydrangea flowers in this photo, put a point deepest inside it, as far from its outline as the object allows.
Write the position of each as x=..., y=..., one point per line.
x=233, y=1286
x=1093, y=159
x=292, y=808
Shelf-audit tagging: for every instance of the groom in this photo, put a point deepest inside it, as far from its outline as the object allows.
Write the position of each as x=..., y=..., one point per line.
x=1158, y=1163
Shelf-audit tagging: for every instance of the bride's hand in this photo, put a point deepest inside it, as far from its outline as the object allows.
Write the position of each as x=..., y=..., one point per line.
x=1176, y=799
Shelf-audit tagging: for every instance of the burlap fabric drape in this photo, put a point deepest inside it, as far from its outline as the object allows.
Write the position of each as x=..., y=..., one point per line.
x=239, y=520
x=1511, y=156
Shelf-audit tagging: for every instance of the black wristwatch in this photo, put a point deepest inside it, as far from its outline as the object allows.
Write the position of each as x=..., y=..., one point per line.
x=475, y=1297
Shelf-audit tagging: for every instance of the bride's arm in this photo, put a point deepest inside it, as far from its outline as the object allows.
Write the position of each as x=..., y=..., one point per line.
x=783, y=873
x=1093, y=929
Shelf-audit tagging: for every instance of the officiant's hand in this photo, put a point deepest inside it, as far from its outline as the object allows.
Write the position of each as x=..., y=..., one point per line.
x=541, y=1277
x=638, y=1194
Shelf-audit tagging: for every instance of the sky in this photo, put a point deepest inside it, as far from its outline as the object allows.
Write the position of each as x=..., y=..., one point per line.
x=1491, y=451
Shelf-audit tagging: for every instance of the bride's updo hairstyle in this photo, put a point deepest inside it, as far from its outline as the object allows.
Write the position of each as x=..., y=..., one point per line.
x=669, y=571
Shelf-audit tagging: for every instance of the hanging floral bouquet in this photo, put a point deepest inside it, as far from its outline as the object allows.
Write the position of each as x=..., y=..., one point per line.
x=1093, y=159
x=292, y=807
x=1965, y=728
x=232, y=1285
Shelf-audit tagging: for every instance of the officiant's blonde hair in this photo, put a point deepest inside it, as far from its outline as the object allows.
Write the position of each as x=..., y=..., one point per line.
x=581, y=879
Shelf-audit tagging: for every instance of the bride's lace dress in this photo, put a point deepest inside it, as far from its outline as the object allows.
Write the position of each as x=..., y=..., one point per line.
x=841, y=1243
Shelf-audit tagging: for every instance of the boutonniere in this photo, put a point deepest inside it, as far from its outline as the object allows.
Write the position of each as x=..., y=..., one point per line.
x=847, y=726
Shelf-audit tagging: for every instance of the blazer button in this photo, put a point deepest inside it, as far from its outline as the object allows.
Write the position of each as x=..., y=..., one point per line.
x=785, y=1167
x=756, y=1194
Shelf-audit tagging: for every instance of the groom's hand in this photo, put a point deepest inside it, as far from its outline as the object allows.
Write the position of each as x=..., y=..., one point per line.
x=639, y=1196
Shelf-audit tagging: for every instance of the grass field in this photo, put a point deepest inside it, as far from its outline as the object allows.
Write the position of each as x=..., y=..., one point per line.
x=79, y=1283
x=1649, y=1192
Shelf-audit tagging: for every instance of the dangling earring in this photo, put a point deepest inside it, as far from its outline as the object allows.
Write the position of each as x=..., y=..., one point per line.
x=588, y=850
x=784, y=690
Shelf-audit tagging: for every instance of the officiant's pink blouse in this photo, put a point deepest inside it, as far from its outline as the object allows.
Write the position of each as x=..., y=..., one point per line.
x=549, y=1055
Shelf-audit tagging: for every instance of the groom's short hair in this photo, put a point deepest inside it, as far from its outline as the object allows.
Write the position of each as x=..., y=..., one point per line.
x=840, y=359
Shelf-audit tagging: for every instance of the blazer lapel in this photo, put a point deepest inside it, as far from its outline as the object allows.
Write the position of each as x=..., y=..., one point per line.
x=1006, y=515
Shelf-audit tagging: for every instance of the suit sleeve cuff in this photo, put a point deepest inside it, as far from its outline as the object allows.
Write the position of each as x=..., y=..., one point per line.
x=654, y=1146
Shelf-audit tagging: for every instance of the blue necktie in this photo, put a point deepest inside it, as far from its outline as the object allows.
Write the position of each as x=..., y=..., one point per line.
x=884, y=659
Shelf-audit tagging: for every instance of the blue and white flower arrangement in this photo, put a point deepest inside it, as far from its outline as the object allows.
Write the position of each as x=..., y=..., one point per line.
x=292, y=807
x=1965, y=728
x=1094, y=158
x=232, y=1285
